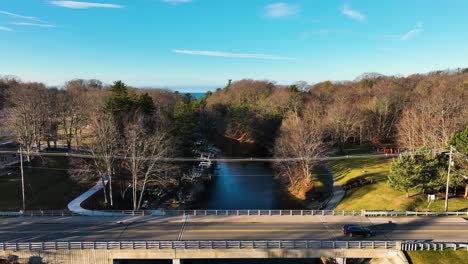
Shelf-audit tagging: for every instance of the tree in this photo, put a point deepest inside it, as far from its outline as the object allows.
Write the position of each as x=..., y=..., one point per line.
x=416, y=172
x=27, y=117
x=433, y=117
x=105, y=148
x=144, y=151
x=187, y=122
x=74, y=106
x=460, y=142
x=343, y=120
x=299, y=137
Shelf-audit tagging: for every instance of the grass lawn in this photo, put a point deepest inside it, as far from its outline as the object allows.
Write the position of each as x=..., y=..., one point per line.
x=46, y=188
x=322, y=184
x=437, y=257
x=380, y=196
x=454, y=204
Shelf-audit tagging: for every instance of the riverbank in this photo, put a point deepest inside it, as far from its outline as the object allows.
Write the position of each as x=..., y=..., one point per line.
x=253, y=185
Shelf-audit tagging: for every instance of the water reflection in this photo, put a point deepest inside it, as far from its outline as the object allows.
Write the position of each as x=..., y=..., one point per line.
x=245, y=185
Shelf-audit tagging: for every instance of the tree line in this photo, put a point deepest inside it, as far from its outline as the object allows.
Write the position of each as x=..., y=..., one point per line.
x=108, y=122
x=410, y=113
x=298, y=120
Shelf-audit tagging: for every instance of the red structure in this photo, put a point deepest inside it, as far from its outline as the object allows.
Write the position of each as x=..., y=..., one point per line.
x=388, y=149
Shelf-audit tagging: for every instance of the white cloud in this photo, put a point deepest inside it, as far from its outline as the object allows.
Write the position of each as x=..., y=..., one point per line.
x=32, y=24
x=279, y=10
x=351, y=13
x=410, y=34
x=232, y=55
x=16, y=15
x=176, y=1
x=5, y=29
x=307, y=34
x=83, y=5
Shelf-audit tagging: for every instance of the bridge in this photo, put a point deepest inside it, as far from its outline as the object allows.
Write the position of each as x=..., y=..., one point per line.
x=222, y=234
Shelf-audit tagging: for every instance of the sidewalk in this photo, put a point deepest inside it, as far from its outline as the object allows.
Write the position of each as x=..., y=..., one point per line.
x=75, y=205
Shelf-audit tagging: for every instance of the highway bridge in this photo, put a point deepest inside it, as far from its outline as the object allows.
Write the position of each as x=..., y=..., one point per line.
x=221, y=236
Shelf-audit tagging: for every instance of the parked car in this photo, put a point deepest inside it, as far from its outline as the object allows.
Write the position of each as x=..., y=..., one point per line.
x=356, y=230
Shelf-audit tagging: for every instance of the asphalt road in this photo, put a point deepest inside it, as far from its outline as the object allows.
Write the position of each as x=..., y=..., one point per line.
x=227, y=228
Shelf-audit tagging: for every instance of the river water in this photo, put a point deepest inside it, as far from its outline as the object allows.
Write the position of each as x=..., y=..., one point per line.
x=245, y=185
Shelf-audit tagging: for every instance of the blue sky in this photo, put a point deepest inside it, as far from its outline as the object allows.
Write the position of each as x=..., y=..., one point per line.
x=202, y=43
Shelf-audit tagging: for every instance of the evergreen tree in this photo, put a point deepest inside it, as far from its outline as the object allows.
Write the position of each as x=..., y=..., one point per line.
x=460, y=142
x=419, y=172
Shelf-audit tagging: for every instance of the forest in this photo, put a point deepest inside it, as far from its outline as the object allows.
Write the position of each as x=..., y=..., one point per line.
x=424, y=113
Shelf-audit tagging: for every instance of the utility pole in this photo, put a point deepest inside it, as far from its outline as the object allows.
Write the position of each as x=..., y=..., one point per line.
x=448, y=178
x=22, y=178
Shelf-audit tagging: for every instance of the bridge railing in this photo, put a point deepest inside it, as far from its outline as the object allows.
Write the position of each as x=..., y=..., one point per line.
x=232, y=213
x=244, y=244
x=412, y=213
x=410, y=246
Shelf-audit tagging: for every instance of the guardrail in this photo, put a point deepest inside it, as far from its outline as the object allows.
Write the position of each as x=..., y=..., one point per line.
x=230, y=213
x=244, y=244
x=410, y=246
x=412, y=213
x=252, y=244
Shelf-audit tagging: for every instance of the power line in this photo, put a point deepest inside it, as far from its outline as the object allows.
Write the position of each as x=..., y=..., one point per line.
x=240, y=159
x=213, y=175
x=49, y=168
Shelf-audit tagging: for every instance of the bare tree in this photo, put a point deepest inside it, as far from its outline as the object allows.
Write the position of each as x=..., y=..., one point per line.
x=144, y=151
x=343, y=120
x=74, y=107
x=300, y=137
x=433, y=118
x=105, y=148
x=27, y=117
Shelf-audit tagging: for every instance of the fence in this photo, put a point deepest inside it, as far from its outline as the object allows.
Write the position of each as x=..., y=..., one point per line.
x=409, y=246
x=264, y=244
x=232, y=213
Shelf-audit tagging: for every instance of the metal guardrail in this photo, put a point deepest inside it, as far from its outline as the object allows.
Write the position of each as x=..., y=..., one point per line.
x=244, y=244
x=231, y=213
x=413, y=213
x=252, y=244
x=410, y=246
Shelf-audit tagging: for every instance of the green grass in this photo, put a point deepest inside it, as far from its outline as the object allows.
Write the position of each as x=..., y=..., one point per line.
x=380, y=196
x=454, y=204
x=376, y=196
x=438, y=257
x=322, y=184
x=348, y=169
x=46, y=188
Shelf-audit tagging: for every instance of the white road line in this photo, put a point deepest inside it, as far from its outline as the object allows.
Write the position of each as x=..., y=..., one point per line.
x=182, y=228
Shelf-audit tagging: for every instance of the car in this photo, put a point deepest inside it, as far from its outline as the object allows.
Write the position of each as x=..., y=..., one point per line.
x=356, y=230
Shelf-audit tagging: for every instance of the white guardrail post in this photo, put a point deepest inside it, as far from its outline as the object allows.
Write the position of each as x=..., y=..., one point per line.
x=365, y=213
x=265, y=244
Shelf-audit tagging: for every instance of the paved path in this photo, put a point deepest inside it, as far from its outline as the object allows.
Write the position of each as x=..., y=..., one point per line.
x=227, y=228
x=75, y=205
x=338, y=191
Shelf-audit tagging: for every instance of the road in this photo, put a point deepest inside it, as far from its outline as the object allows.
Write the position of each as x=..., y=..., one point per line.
x=227, y=228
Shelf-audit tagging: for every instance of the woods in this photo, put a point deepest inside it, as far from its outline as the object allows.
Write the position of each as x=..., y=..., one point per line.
x=409, y=113
x=421, y=112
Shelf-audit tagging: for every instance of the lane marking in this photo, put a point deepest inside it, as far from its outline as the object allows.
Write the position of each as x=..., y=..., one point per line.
x=182, y=228
x=130, y=231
